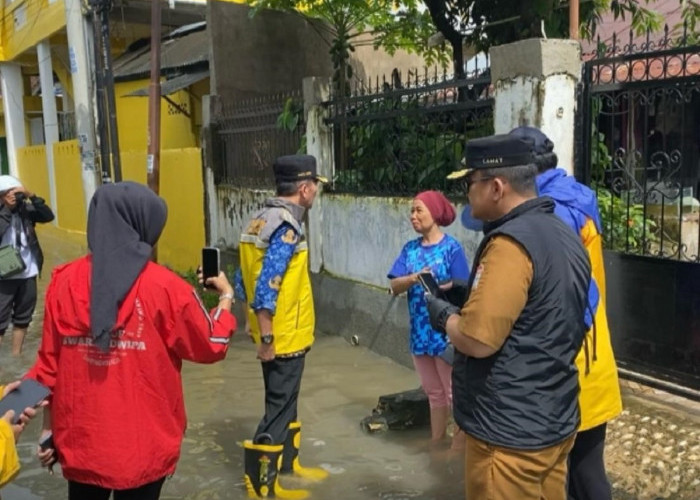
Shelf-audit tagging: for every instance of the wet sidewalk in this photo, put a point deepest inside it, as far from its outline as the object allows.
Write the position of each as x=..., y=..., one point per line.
x=653, y=448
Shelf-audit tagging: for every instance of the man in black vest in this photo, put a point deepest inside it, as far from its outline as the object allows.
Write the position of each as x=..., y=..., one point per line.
x=517, y=328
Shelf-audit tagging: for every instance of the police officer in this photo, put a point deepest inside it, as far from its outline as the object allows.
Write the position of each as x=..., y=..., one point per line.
x=517, y=329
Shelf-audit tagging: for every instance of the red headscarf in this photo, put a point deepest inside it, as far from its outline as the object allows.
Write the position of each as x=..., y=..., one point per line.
x=440, y=207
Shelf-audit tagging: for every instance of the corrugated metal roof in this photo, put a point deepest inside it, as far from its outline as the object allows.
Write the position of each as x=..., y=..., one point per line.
x=177, y=54
x=173, y=85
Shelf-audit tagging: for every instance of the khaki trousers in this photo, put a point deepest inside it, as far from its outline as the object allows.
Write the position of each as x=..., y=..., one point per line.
x=497, y=473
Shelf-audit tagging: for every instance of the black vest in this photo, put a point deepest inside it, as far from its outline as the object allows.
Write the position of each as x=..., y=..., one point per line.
x=525, y=395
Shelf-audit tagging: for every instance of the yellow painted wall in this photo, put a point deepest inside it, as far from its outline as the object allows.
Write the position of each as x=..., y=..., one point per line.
x=132, y=119
x=181, y=186
x=32, y=171
x=69, y=186
x=26, y=22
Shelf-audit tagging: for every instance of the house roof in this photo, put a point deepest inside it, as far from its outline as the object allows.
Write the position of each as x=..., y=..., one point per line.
x=182, y=52
x=174, y=84
x=620, y=29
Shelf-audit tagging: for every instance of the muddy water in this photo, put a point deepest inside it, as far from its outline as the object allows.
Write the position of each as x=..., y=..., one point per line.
x=224, y=403
x=652, y=452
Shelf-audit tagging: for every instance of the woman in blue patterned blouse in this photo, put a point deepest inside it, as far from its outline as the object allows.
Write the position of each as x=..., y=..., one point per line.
x=442, y=255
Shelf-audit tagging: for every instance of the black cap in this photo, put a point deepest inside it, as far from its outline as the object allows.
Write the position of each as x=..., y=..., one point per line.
x=541, y=143
x=495, y=151
x=293, y=168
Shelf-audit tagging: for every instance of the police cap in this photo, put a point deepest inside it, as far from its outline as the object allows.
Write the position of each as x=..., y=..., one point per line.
x=495, y=151
x=293, y=168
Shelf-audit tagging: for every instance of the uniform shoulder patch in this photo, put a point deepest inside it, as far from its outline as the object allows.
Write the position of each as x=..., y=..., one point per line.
x=290, y=237
x=276, y=282
x=255, y=226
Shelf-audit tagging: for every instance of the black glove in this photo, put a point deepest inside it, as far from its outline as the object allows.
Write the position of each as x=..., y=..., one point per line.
x=439, y=310
x=457, y=294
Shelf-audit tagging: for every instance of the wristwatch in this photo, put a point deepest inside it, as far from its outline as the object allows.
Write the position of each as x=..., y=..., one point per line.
x=267, y=338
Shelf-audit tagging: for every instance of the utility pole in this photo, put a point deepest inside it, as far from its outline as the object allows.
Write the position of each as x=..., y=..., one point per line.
x=79, y=34
x=108, y=80
x=573, y=19
x=104, y=83
x=153, y=159
x=100, y=103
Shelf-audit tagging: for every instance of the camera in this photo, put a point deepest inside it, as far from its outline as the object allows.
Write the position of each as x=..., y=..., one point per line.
x=19, y=198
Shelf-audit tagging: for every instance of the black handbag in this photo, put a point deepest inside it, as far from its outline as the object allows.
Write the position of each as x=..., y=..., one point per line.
x=11, y=262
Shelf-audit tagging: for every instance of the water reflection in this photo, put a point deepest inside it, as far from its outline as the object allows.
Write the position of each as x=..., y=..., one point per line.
x=225, y=401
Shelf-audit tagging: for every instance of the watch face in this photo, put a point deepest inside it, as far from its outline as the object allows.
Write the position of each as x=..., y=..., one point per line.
x=267, y=339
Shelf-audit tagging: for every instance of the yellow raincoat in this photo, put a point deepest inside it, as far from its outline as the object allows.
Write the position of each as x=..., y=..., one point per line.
x=600, y=399
x=9, y=461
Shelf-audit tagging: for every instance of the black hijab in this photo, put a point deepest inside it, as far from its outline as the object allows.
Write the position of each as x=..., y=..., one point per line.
x=124, y=222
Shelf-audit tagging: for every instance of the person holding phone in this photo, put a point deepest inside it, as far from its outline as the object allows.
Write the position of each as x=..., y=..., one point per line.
x=117, y=327
x=20, y=210
x=442, y=256
x=10, y=429
x=517, y=329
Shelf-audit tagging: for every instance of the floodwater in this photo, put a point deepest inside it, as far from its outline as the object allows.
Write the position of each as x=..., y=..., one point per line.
x=224, y=403
x=652, y=452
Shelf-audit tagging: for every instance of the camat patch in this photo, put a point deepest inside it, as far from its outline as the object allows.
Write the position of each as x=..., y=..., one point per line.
x=255, y=226
x=275, y=282
x=290, y=237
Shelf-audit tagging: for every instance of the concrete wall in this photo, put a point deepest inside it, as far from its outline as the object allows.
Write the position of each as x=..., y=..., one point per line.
x=177, y=129
x=274, y=51
x=31, y=170
x=69, y=186
x=271, y=52
x=362, y=236
x=360, y=239
x=181, y=186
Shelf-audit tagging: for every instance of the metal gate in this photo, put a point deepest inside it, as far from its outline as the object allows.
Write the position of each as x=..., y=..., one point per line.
x=639, y=130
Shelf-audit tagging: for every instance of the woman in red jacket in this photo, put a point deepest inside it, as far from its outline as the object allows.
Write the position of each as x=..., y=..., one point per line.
x=116, y=329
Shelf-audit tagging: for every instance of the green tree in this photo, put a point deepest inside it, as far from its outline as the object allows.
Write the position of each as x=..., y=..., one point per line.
x=485, y=23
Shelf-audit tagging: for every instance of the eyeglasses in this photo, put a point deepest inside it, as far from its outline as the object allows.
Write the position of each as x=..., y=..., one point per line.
x=468, y=181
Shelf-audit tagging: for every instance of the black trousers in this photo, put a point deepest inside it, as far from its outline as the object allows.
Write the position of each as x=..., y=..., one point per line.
x=81, y=491
x=587, y=477
x=282, y=378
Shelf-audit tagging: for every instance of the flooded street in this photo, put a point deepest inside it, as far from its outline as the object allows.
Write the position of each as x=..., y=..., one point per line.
x=653, y=451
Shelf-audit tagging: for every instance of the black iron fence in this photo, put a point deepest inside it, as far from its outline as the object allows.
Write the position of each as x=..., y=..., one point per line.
x=399, y=136
x=250, y=134
x=640, y=149
x=641, y=146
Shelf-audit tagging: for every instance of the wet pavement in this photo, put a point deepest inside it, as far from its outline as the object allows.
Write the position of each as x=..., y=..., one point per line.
x=653, y=449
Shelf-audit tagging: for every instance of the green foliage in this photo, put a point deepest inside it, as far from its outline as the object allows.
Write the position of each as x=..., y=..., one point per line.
x=495, y=22
x=625, y=228
x=411, y=151
x=210, y=299
x=344, y=24
x=292, y=115
x=601, y=160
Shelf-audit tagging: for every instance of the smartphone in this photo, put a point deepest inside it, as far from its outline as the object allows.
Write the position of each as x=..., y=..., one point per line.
x=46, y=443
x=210, y=262
x=429, y=284
x=27, y=395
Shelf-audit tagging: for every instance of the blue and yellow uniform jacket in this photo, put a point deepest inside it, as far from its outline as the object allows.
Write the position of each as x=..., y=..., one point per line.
x=275, y=273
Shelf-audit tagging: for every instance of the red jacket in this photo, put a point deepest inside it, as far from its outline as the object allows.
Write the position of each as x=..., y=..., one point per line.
x=119, y=417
